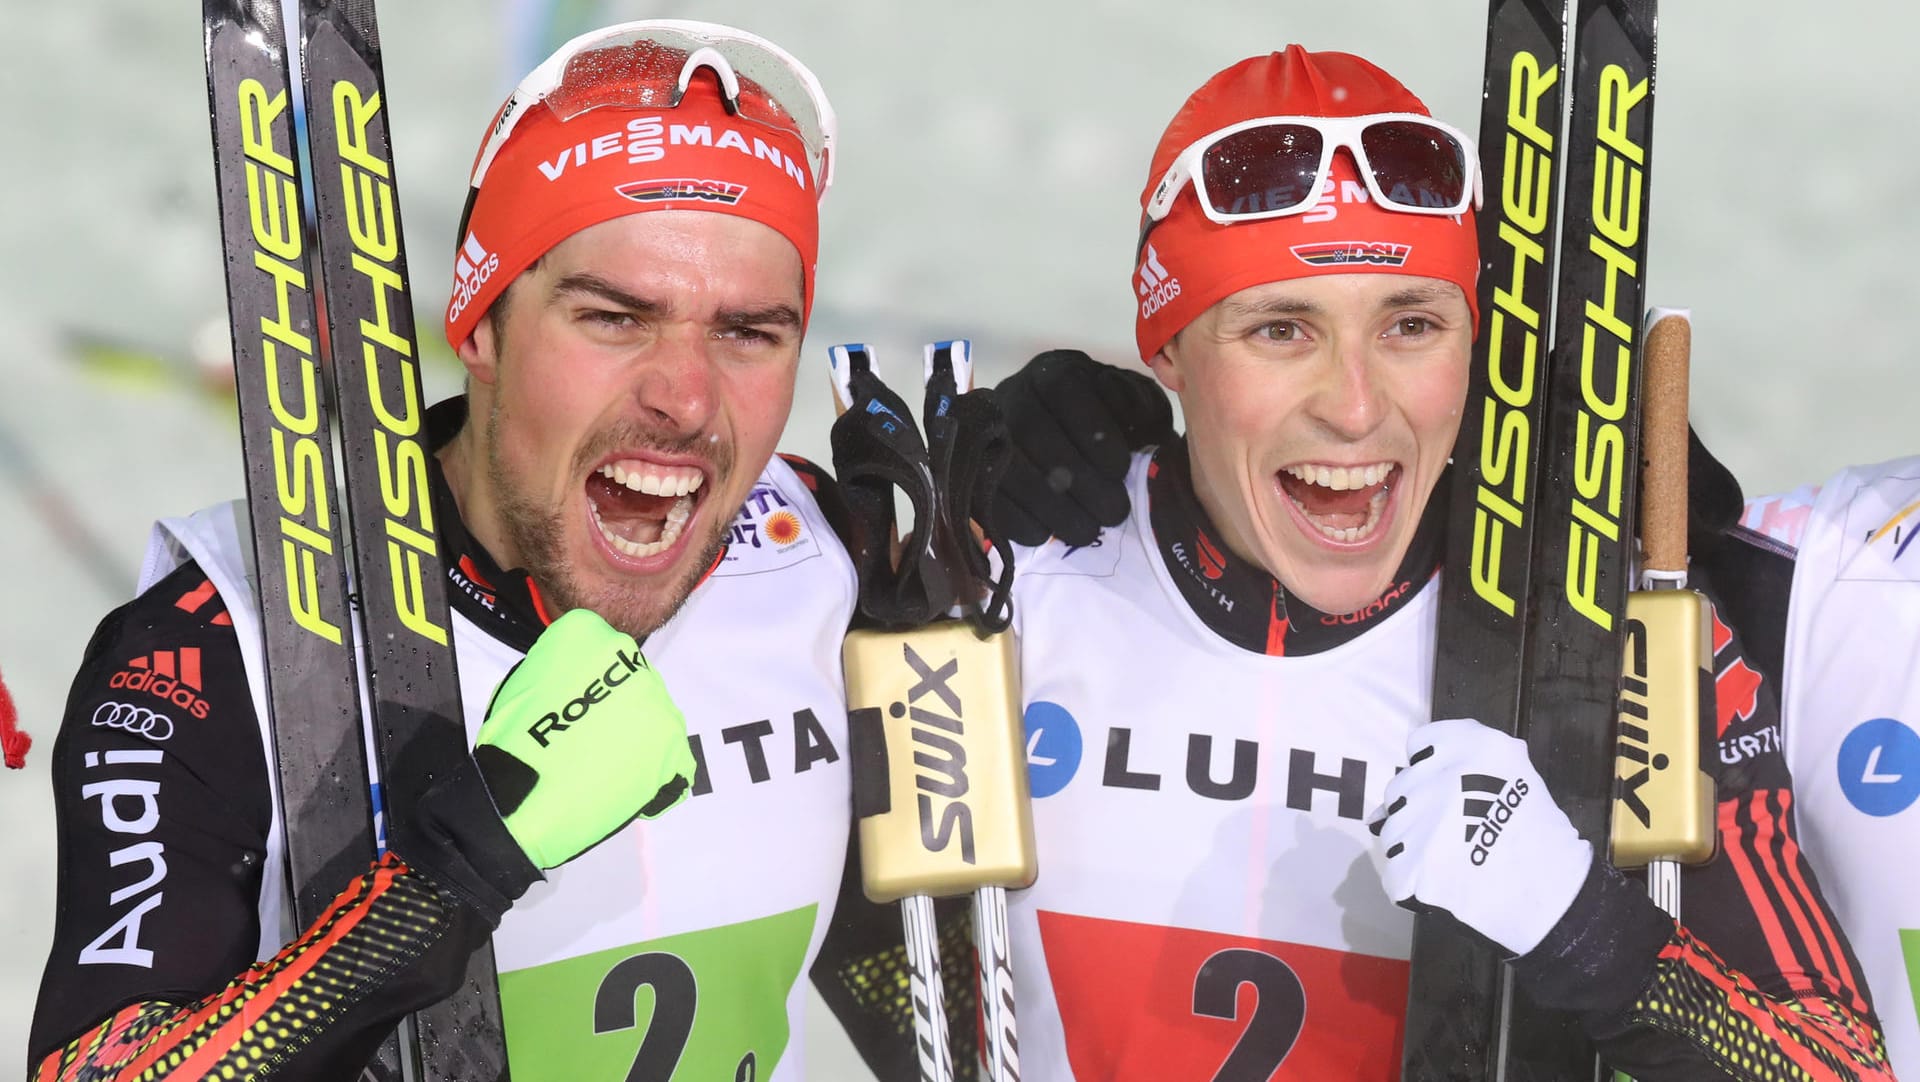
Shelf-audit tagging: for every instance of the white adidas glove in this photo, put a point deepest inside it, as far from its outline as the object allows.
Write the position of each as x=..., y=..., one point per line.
x=1469, y=827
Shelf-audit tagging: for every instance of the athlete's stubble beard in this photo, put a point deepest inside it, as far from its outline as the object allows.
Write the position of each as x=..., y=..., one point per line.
x=537, y=531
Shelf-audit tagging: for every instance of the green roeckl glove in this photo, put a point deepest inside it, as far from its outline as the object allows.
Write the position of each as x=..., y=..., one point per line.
x=580, y=739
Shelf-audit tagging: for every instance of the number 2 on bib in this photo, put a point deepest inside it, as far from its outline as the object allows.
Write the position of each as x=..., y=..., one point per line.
x=1279, y=1009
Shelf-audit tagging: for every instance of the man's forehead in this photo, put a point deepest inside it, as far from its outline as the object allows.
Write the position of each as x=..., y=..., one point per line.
x=1321, y=293
x=690, y=262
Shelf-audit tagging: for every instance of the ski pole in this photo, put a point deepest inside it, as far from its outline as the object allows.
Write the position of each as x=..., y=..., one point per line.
x=1663, y=799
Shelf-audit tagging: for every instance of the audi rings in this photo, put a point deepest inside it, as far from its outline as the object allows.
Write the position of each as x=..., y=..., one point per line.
x=137, y=720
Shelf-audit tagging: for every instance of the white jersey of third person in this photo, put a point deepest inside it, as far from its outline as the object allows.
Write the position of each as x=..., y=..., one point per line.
x=1851, y=719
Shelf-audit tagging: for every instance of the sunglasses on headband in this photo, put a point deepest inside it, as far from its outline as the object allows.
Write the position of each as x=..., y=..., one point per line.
x=649, y=64
x=1274, y=166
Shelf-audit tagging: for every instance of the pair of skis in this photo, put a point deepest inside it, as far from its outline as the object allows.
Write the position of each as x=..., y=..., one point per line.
x=1540, y=538
x=393, y=628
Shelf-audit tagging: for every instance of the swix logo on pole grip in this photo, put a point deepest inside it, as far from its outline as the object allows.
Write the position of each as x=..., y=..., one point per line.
x=556, y=721
x=940, y=753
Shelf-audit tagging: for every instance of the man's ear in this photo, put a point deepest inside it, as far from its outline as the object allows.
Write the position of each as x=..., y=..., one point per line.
x=1166, y=366
x=479, y=353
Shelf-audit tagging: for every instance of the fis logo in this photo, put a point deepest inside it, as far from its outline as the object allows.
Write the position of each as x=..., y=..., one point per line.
x=1156, y=286
x=169, y=675
x=1338, y=252
x=1489, y=803
x=723, y=192
x=939, y=753
x=471, y=270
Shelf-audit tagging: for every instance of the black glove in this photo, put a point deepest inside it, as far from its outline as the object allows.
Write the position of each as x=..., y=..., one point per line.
x=1075, y=424
x=1714, y=499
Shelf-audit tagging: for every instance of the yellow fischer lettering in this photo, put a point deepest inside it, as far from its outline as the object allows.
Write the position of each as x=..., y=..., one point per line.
x=1527, y=184
x=1606, y=345
x=380, y=280
x=409, y=589
x=352, y=115
x=303, y=590
x=398, y=455
x=273, y=202
x=257, y=114
x=1513, y=334
x=299, y=469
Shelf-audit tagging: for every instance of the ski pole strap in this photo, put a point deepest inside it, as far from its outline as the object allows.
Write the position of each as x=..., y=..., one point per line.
x=970, y=448
x=876, y=449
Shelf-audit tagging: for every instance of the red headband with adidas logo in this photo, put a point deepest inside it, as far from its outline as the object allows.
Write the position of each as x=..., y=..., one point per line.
x=555, y=177
x=1188, y=262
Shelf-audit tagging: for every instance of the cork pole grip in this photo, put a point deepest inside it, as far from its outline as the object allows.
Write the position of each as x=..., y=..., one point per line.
x=1663, y=491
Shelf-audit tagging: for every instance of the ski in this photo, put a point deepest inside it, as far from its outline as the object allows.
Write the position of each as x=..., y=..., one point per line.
x=1590, y=466
x=413, y=684
x=1531, y=635
x=1455, y=981
x=320, y=777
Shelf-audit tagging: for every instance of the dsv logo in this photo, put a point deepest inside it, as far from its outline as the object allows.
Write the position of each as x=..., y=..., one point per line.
x=137, y=720
x=1489, y=815
x=940, y=753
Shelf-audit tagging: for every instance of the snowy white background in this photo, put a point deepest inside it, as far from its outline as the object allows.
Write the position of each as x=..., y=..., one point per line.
x=992, y=158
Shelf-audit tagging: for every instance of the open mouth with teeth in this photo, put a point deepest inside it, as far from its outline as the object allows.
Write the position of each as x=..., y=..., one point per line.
x=1344, y=504
x=642, y=508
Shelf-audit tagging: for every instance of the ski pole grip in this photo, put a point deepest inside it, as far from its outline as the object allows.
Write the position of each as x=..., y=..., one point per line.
x=1663, y=433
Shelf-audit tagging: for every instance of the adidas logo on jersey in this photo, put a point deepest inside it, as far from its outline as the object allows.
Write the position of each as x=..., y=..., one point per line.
x=471, y=270
x=1489, y=804
x=1157, y=287
x=169, y=675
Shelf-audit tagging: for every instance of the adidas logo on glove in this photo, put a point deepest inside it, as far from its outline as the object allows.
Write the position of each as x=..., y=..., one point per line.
x=1488, y=815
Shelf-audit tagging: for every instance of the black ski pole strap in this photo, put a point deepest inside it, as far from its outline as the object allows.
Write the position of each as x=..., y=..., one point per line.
x=970, y=447
x=876, y=449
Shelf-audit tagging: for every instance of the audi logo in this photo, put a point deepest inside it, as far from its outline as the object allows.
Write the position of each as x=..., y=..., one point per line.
x=137, y=720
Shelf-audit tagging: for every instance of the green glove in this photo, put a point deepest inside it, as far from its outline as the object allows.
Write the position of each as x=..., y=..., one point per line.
x=580, y=739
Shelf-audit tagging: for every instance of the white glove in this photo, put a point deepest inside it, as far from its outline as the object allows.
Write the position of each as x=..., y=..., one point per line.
x=1469, y=827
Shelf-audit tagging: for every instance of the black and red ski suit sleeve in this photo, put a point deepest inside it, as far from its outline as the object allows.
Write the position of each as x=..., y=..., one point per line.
x=163, y=806
x=1756, y=981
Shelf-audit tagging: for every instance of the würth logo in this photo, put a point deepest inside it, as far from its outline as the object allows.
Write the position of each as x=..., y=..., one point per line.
x=1156, y=285
x=168, y=675
x=1489, y=804
x=1333, y=253
x=661, y=191
x=471, y=269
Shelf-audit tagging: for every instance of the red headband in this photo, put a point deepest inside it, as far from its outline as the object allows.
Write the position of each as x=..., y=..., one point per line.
x=554, y=178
